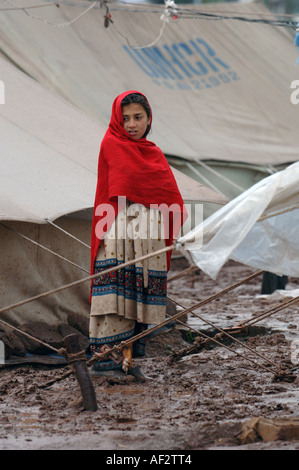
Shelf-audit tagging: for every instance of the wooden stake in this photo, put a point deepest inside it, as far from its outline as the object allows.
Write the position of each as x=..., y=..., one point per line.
x=78, y=363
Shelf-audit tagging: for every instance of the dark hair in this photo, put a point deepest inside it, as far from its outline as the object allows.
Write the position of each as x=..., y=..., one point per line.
x=141, y=99
x=137, y=98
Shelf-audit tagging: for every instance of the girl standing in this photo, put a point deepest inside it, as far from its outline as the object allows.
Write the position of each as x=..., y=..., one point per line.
x=138, y=210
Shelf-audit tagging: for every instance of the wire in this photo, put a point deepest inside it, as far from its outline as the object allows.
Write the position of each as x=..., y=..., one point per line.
x=142, y=47
x=29, y=7
x=214, y=16
x=51, y=23
x=181, y=12
x=170, y=12
x=174, y=12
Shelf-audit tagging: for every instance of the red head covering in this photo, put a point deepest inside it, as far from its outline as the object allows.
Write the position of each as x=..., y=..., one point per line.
x=136, y=170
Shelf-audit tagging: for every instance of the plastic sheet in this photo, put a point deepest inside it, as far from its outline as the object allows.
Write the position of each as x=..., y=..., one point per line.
x=259, y=228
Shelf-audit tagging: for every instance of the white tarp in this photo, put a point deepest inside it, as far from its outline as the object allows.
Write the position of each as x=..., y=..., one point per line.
x=259, y=228
x=220, y=90
x=49, y=152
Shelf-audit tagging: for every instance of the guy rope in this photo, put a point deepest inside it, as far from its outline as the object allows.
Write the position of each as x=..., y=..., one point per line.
x=75, y=357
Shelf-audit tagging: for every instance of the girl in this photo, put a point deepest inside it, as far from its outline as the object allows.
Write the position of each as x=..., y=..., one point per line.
x=134, y=179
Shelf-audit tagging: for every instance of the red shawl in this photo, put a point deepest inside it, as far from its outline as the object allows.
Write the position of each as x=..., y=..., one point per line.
x=135, y=169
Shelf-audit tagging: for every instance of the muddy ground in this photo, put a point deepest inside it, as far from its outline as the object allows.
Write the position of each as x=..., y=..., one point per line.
x=197, y=402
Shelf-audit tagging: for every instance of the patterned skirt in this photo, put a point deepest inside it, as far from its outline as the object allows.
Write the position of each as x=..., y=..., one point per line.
x=125, y=301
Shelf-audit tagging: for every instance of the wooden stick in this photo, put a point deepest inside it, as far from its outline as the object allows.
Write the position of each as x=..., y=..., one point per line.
x=78, y=364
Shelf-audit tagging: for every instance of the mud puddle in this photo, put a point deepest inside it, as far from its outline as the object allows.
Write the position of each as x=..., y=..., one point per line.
x=198, y=402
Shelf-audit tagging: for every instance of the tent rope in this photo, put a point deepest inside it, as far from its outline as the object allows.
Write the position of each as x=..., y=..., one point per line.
x=142, y=334
x=72, y=357
x=276, y=308
x=81, y=355
x=274, y=214
x=98, y=356
x=88, y=278
x=195, y=347
x=67, y=233
x=28, y=335
x=154, y=328
x=224, y=332
x=188, y=270
x=44, y=247
x=217, y=173
x=206, y=180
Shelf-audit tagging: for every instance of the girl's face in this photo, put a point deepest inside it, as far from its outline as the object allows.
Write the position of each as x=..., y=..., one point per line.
x=135, y=120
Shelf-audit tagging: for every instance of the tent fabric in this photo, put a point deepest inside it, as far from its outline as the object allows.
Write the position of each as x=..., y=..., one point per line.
x=220, y=90
x=49, y=152
x=259, y=228
x=28, y=270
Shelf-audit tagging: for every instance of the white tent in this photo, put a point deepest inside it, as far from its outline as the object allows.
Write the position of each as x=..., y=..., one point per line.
x=220, y=90
x=49, y=152
x=259, y=228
